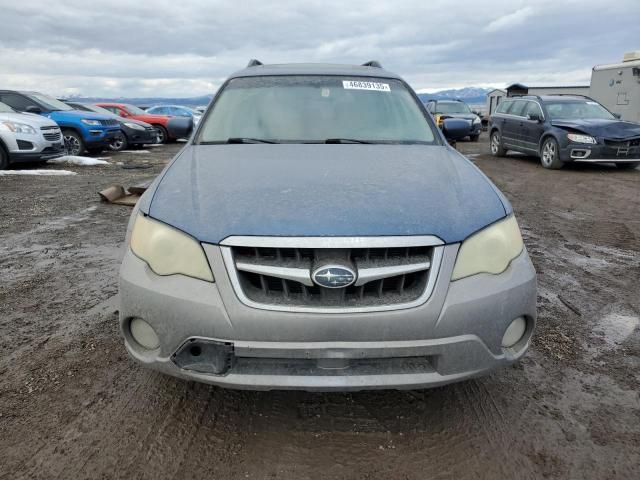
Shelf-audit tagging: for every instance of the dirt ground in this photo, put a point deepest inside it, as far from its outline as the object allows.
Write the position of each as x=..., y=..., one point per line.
x=72, y=404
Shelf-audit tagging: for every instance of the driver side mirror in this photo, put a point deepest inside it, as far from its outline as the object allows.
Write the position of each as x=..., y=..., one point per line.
x=617, y=115
x=33, y=109
x=534, y=117
x=124, y=113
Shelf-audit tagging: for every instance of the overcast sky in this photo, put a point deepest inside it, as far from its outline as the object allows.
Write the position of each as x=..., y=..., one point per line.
x=187, y=47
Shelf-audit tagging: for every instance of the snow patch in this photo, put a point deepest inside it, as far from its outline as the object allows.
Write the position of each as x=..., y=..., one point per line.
x=617, y=327
x=36, y=172
x=135, y=151
x=81, y=161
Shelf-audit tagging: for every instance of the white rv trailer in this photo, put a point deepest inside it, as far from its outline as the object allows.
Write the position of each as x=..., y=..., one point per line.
x=617, y=86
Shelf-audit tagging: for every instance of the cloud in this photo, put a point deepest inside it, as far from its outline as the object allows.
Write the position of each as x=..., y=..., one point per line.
x=510, y=20
x=123, y=48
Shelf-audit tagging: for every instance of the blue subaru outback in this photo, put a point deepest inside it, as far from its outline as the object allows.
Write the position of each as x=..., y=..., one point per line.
x=82, y=131
x=318, y=232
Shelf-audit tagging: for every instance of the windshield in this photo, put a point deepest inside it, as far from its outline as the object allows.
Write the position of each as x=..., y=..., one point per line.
x=315, y=108
x=452, y=107
x=578, y=110
x=50, y=103
x=4, y=108
x=133, y=110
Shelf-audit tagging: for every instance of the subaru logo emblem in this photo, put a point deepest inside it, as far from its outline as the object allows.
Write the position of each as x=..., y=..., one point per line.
x=334, y=276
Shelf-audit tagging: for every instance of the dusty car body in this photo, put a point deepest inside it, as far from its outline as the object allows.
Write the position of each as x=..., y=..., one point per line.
x=27, y=137
x=276, y=254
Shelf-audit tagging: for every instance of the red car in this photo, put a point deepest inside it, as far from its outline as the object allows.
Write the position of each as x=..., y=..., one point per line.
x=169, y=128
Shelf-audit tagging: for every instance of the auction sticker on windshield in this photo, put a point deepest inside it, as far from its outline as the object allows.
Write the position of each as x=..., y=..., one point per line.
x=358, y=85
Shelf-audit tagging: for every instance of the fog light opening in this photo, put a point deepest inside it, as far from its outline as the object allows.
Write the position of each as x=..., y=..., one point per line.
x=514, y=332
x=144, y=334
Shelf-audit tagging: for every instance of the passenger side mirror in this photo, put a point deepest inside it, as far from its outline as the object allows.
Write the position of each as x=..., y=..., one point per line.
x=534, y=117
x=33, y=109
x=617, y=115
x=455, y=128
x=124, y=113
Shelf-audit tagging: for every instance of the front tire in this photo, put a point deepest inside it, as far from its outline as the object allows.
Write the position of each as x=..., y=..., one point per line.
x=4, y=158
x=163, y=135
x=627, y=165
x=497, y=150
x=119, y=143
x=550, y=154
x=73, y=142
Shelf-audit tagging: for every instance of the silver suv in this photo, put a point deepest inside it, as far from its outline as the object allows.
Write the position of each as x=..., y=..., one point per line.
x=26, y=137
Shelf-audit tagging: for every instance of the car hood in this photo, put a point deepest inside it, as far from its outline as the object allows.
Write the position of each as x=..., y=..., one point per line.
x=610, y=129
x=215, y=191
x=32, y=119
x=131, y=120
x=76, y=114
x=465, y=116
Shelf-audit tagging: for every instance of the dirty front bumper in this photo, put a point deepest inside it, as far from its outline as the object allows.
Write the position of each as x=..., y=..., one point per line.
x=206, y=334
x=617, y=152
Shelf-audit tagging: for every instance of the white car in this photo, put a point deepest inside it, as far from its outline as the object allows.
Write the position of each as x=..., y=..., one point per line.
x=27, y=137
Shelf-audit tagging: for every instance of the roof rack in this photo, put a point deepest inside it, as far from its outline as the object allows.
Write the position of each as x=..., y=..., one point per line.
x=254, y=63
x=372, y=63
x=569, y=95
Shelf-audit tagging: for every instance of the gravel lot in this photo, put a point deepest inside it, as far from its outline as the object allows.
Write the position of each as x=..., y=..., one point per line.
x=72, y=405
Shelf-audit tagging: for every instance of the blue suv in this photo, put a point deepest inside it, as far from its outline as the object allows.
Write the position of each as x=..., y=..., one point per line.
x=83, y=131
x=564, y=128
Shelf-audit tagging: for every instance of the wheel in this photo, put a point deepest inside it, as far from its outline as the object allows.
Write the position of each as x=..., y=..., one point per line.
x=627, y=165
x=497, y=149
x=163, y=136
x=4, y=158
x=550, y=154
x=119, y=143
x=73, y=142
x=474, y=138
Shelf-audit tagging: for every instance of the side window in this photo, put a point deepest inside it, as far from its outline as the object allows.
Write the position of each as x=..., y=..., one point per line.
x=532, y=109
x=160, y=111
x=17, y=102
x=430, y=107
x=518, y=108
x=112, y=109
x=504, y=106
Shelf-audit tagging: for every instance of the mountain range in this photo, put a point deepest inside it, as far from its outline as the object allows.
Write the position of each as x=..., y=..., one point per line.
x=471, y=95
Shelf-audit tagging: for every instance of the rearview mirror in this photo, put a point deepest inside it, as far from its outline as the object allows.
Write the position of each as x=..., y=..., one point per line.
x=33, y=109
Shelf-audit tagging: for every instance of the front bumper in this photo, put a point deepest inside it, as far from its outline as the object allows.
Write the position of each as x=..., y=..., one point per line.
x=455, y=335
x=575, y=152
x=97, y=137
x=41, y=151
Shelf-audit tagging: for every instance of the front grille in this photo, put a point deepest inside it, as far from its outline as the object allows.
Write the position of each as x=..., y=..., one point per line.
x=279, y=277
x=109, y=123
x=51, y=134
x=623, y=143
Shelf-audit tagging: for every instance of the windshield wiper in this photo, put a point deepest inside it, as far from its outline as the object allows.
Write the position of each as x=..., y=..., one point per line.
x=345, y=140
x=248, y=140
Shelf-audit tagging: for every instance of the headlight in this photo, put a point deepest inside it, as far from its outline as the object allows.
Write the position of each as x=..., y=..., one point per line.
x=476, y=121
x=135, y=126
x=168, y=251
x=93, y=123
x=490, y=250
x=16, y=127
x=576, y=137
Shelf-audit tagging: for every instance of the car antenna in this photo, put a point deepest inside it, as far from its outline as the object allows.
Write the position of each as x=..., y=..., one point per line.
x=372, y=63
x=254, y=63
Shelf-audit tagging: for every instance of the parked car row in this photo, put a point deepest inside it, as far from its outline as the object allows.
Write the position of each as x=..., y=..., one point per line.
x=37, y=127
